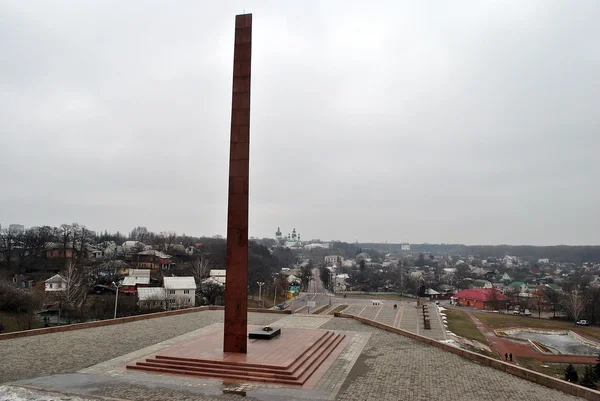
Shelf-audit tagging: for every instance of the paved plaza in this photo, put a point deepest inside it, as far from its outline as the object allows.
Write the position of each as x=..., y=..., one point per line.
x=376, y=365
x=407, y=316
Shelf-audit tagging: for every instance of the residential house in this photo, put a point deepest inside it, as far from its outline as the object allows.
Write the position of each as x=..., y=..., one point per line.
x=217, y=276
x=505, y=277
x=180, y=291
x=59, y=251
x=482, y=284
x=517, y=286
x=431, y=293
x=152, y=298
x=55, y=283
x=91, y=252
x=137, y=278
x=152, y=259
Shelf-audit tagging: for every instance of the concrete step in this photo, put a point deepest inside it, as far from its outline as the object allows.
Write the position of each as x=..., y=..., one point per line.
x=295, y=373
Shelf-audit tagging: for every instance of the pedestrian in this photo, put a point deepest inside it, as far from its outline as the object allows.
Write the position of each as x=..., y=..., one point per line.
x=395, y=306
x=506, y=356
x=511, y=356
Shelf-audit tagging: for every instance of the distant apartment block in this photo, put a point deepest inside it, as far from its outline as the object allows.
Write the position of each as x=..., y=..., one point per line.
x=334, y=260
x=17, y=228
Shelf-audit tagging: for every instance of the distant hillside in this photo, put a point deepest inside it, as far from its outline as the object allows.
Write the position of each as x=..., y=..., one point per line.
x=558, y=253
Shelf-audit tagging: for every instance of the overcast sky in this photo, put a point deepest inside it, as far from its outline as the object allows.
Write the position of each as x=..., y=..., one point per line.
x=474, y=122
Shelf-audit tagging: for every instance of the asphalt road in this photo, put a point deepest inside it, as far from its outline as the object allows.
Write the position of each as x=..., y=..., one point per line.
x=316, y=293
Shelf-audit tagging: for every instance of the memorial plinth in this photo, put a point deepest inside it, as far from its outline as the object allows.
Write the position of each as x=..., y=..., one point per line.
x=297, y=357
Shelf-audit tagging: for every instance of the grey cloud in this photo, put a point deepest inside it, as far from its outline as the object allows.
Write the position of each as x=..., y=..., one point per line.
x=441, y=122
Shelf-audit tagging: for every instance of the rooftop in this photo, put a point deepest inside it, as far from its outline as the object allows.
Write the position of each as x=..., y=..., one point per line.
x=179, y=283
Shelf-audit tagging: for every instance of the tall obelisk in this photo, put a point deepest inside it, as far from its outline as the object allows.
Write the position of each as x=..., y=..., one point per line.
x=236, y=284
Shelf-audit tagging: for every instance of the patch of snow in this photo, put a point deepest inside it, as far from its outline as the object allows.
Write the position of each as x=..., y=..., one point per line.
x=12, y=393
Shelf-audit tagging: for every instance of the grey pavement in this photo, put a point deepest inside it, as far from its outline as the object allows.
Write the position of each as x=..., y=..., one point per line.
x=393, y=367
x=376, y=365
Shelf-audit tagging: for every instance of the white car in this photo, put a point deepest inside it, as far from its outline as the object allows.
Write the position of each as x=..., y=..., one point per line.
x=582, y=323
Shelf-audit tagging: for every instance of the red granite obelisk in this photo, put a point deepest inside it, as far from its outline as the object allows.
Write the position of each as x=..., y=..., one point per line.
x=236, y=284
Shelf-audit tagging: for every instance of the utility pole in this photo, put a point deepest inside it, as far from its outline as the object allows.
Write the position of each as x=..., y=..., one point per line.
x=260, y=292
x=275, y=294
x=116, y=298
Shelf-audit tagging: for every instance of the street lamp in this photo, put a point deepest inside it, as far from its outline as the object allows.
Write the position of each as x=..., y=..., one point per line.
x=260, y=284
x=116, y=297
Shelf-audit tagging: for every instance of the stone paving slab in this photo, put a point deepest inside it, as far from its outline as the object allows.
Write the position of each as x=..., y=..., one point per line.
x=354, y=309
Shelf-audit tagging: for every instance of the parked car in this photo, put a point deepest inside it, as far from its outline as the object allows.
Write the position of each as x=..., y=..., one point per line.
x=582, y=323
x=516, y=312
x=526, y=312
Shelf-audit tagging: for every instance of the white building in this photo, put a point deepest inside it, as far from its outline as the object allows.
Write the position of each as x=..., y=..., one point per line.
x=56, y=283
x=340, y=282
x=218, y=276
x=152, y=297
x=317, y=245
x=405, y=246
x=180, y=291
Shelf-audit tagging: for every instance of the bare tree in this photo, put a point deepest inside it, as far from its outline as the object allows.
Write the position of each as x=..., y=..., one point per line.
x=165, y=240
x=199, y=268
x=139, y=233
x=66, y=236
x=553, y=297
x=7, y=244
x=574, y=304
x=74, y=293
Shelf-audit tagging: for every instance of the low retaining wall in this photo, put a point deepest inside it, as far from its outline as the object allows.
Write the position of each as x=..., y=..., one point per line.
x=523, y=373
x=128, y=319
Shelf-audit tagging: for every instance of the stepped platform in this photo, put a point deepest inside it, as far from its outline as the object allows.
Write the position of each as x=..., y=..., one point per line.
x=296, y=358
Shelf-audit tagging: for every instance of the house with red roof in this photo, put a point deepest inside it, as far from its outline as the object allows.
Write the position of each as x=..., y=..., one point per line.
x=480, y=298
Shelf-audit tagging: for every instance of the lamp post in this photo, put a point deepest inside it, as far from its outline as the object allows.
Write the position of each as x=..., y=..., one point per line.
x=260, y=284
x=116, y=298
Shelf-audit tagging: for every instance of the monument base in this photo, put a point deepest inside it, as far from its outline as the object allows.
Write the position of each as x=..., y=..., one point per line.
x=297, y=357
x=262, y=334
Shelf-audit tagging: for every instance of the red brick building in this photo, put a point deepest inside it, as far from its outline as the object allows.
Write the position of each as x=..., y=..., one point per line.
x=152, y=259
x=481, y=298
x=58, y=251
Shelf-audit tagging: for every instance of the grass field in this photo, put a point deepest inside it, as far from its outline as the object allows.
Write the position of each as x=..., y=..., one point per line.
x=551, y=369
x=338, y=308
x=461, y=324
x=497, y=320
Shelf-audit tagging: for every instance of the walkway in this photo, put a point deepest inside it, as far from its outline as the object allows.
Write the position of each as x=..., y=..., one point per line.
x=406, y=317
x=502, y=346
